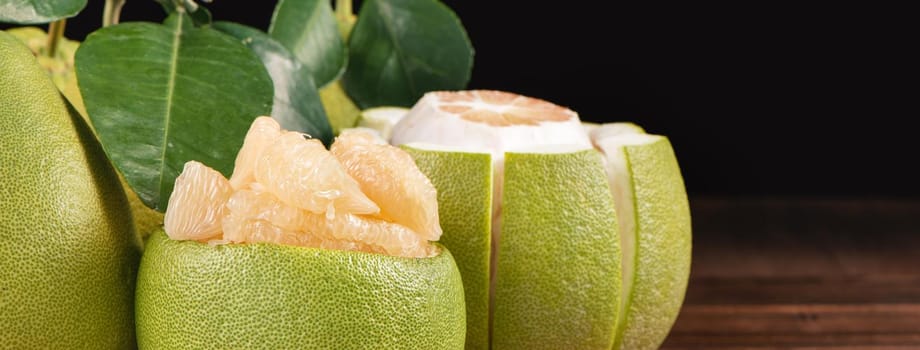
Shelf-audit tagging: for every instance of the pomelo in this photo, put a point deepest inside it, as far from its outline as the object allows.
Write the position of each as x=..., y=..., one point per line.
x=302, y=248
x=193, y=295
x=588, y=249
x=382, y=119
x=61, y=69
x=68, y=250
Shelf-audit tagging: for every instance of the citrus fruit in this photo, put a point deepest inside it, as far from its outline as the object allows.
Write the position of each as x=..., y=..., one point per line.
x=655, y=234
x=390, y=178
x=293, y=253
x=382, y=119
x=340, y=109
x=69, y=250
x=582, y=249
x=61, y=69
x=193, y=295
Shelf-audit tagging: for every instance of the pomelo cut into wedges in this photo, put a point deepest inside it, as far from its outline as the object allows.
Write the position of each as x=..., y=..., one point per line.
x=68, y=249
x=302, y=248
x=584, y=247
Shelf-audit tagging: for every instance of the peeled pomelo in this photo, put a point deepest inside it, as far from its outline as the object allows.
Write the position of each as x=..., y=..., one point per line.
x=582, y=250
x=68, y=249
x=302, y=248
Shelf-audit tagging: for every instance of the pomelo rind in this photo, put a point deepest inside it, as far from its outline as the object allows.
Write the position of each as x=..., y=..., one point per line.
x=261, y=295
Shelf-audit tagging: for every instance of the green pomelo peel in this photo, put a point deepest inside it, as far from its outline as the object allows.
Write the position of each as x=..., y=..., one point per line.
x=269, y=296
x=464, y=184
x=69, y=249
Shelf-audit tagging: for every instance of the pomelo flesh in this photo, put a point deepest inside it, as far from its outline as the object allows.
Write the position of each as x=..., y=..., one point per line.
x=362, y=195
x=68, y=249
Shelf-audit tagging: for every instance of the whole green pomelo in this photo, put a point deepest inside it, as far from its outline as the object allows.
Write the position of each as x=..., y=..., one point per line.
x=193, y=295
x=68, y=249
x=61, y=69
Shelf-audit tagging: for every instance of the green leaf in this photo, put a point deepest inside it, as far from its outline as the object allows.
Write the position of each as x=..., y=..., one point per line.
x=38, y=11
x=308, y=28
x=400, y=49
x=161, y=95
x=297, y=104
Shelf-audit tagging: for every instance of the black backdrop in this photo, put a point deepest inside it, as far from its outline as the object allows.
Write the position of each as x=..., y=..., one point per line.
x=757, y=100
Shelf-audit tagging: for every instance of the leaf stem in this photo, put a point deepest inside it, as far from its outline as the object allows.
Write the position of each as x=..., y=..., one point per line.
x=112, y=12
x=55, y=33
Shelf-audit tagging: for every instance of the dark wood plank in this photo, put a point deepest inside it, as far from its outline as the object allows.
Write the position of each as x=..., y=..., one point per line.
x=797, y=273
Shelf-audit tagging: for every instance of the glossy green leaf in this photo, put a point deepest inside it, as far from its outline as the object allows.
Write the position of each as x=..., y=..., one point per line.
x=308, y=28
x=297, y=104
x=400, y=49
x=162, y=95
x=38, y=11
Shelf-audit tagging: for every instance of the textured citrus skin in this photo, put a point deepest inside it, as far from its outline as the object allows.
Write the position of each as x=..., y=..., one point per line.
x=68, y=249
x=557, y=282
x=61, y=69
x=191, y=295
x=663, y=247
x=464, y=185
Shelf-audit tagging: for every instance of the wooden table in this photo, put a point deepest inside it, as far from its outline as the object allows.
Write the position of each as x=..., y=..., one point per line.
x=799, y=273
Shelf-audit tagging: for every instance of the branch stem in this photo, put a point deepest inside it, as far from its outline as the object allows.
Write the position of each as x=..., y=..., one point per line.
x=112, y=12
x=55, y=34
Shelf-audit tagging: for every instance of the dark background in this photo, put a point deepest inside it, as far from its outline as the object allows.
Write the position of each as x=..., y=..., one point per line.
x=758, y=100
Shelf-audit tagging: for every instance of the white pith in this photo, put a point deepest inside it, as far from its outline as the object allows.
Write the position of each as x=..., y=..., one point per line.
x=616, y=164
x=382, y=119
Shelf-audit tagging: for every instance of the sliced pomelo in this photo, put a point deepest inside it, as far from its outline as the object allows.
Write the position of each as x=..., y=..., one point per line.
x=382, y=119
x=558, y=259
x=656, y=235
x=464, y=183
x=541, y=280
x=193, y=295
x=390, y=178
x=556, y=262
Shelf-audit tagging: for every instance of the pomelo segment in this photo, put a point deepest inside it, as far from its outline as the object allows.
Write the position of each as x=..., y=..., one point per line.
x=192, y=295
x=464, y=186
x=287, y=189
x=262, y=133
x=197, y=205
x=390, y=178
x=656, y=235
x=303, y=174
